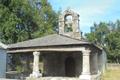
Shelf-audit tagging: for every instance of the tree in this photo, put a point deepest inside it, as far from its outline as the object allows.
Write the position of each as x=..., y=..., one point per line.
x=107, y=36
x=113, y=46
x=98, y=33
x=23, y=19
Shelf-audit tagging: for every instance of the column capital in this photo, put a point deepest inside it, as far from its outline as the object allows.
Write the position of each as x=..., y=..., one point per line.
x=36, y=53
x=86, y=52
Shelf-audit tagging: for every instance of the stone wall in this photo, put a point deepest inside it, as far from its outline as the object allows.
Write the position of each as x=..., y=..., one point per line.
x=54, y=63
x=75, y=33
x=2, y=63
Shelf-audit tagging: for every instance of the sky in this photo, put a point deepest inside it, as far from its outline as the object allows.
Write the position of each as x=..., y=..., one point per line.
x=90, y=11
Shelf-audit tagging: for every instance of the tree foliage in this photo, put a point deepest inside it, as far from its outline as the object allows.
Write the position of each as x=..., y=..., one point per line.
x=26, y=19
x=107, y=35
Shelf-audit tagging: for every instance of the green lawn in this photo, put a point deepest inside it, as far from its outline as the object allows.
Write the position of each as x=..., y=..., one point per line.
x=111, y=74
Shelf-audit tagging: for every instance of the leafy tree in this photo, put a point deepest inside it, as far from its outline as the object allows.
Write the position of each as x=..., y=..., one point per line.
x=98, y=33
x=113, y=46
x=107, y=36
x=24, y=19
x=91, y=37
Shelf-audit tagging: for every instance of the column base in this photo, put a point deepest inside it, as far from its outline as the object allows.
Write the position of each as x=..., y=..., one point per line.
x=36, y=75
x=85, y=77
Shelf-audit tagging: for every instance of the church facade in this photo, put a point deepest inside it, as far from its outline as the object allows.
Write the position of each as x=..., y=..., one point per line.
x=65, y=54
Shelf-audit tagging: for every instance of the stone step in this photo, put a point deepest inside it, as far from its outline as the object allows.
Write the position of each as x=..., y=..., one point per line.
x=58, y=78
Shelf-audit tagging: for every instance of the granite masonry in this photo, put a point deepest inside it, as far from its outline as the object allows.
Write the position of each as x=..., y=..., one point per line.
x=66, y=56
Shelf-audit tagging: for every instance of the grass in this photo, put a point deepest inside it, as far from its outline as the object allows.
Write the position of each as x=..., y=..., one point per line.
x=111, y=74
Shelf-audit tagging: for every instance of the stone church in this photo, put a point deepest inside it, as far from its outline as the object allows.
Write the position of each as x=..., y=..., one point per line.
x=65, y=54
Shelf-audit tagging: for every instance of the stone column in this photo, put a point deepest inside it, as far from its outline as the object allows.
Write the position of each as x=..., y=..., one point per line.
x=36, y=72
x=96, y=62
x=86, y=66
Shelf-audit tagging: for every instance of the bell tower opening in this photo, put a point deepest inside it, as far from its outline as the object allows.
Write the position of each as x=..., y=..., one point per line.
x=69, y=24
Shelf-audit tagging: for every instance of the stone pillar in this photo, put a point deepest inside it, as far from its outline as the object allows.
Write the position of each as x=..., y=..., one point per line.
x=96, y=62
x=36, y=72
x=86, y=66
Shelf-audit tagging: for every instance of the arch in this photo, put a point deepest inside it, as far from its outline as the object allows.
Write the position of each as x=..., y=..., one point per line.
x=68, y=18
x=70, y=67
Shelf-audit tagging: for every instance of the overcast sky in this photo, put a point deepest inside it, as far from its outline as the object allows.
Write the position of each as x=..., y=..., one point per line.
x=90, y=10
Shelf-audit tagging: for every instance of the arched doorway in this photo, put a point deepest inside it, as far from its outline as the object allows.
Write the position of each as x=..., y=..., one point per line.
x=70, y=67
